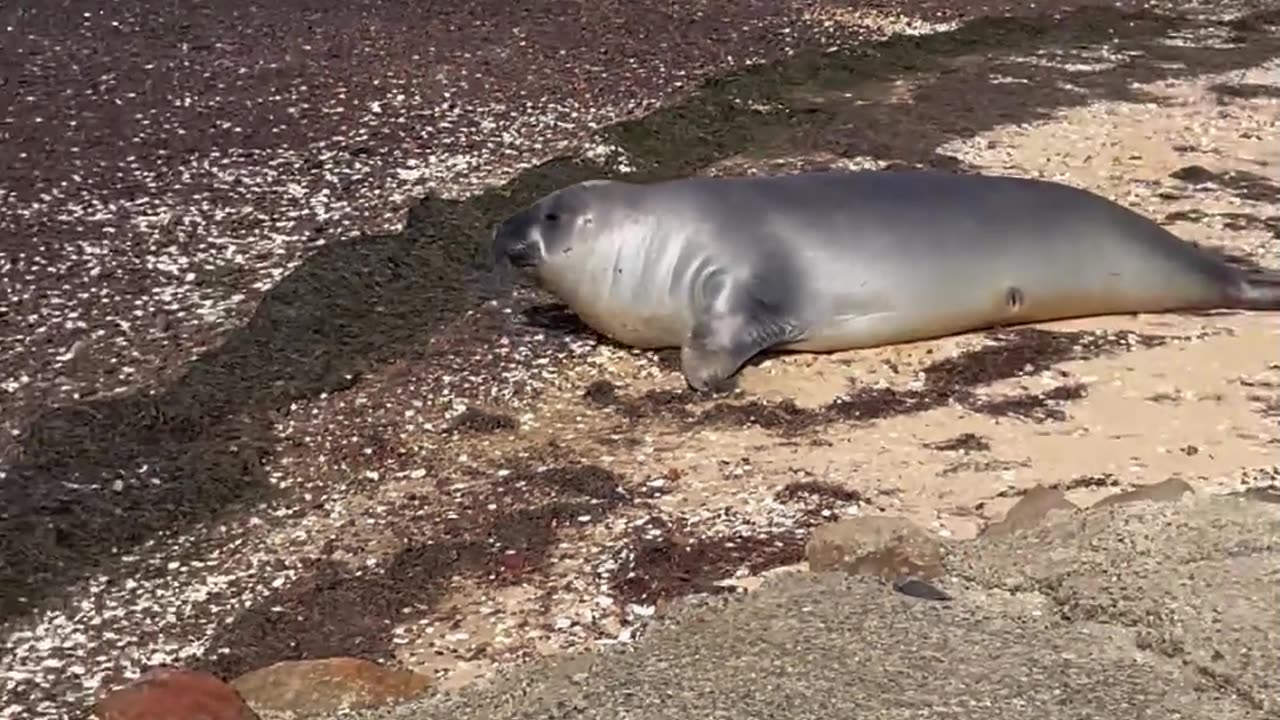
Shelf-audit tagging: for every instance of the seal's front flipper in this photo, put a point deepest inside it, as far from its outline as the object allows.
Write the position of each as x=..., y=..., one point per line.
x=720, y=344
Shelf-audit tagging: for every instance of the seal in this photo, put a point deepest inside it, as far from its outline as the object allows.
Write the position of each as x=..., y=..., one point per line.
x=727, y=267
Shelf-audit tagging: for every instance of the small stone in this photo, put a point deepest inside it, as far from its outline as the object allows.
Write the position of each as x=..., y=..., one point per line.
x=1032, y=509
x=513, y=563
x=168, y=693
x=921, y=589
x=1169, y=490
x=322, y=686
x=885, y=547
x=1194, y=175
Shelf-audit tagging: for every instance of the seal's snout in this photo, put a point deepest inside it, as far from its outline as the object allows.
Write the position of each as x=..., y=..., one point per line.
x=511, y=242
x=523, y=255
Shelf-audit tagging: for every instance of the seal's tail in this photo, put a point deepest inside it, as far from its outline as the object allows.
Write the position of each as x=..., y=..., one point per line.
x=1258, y=291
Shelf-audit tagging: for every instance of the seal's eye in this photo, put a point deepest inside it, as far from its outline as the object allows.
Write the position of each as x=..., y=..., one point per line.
x=551, y=217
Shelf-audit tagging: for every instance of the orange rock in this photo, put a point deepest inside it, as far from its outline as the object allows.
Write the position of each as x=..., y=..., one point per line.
x=1033, y=509
x=512, y=563
x=1170, y=490
x=885, y=547
x=309, y=687
x=167, y=693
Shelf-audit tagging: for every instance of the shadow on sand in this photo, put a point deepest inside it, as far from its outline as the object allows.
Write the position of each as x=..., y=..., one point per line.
x=94, y=480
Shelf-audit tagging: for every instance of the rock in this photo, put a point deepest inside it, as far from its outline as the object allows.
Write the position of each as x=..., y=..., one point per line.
x=889, y=548
x=1032, y=509
x=921, y=589
x=1258, y=494
x=1169, y=490
x=313, y=687
x=751, y=583
x=166, y=693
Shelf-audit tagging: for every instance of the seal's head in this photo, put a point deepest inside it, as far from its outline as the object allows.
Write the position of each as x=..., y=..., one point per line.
x=547, y=231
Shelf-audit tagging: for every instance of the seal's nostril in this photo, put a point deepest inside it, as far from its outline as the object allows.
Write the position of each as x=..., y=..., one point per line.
x=521, y=255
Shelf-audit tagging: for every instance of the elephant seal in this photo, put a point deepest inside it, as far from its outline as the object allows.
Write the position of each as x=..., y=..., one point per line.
x=727, y=267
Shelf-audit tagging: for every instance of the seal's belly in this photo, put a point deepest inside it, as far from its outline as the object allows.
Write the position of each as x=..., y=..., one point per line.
x=904, y=302
x=629, y=325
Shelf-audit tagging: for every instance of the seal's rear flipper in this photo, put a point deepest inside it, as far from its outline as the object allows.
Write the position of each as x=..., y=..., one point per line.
x=1257, y=291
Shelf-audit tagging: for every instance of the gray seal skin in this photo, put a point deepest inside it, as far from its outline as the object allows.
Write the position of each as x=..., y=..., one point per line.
x=727, y=267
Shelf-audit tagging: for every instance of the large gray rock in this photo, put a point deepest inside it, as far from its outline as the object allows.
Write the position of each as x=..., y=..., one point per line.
x=1137, y=611
x=1198, y=584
